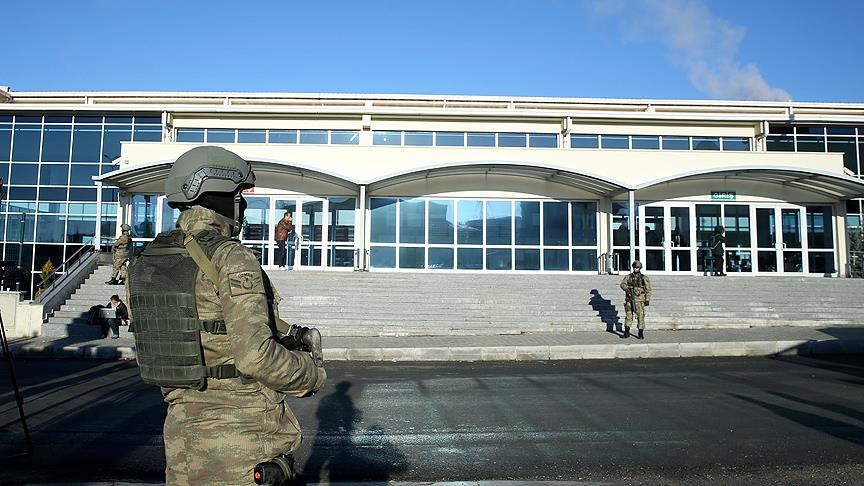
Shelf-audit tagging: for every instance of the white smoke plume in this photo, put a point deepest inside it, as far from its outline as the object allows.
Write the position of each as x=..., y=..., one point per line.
x=697, y=40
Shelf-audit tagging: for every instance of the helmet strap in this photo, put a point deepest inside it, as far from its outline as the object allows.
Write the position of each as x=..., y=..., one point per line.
x=237, y=226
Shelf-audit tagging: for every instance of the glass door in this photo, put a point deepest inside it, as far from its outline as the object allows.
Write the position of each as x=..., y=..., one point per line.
x=312, y=231
x=779, y=240
x=667, y=236
x=680, y=249
x=653, y=235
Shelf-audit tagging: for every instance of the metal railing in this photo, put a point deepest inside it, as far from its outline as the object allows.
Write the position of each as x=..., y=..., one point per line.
x=609, y=263
x=66, y=267
x=855, y=266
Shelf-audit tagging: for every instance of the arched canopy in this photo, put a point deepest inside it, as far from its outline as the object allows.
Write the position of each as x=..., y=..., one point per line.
x=829, y=184
x=589, y=182
x=151, y=176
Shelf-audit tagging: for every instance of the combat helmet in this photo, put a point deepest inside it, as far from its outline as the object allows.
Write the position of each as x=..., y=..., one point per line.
x=637, y=264
x=125, y=228
x=204, y=170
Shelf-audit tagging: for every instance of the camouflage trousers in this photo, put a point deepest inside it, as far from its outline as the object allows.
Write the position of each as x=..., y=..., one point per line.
x=640, y=313
x=216, y=437
x=119, y=267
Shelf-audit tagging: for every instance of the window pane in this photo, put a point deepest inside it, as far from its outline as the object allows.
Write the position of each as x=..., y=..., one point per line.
x=82, y=174
x=342, y=219
x=841, y=130
x=412, y=227
x=54, y=174
x=22, y=193
x=645, y=142
x=148, y=120
x=88, y=119
x=169, y=216
x=118, y=119
x=555, y=223
x=449, y=139
x=143, y=216
x=411, y=257
x=499, y=259
x=584, y=261
x=620, y=224
x=114, y=134
x=220, y=135
x=441, y=222
x=80, y=229
x=86, y=143
x=511, y=139
x=257, y=219
x=819, y=228
x=706, y=143
x=737, y=223
x=51, y=207
x=498, y=222
x=51, y=228
x=190, y=135
x=387, y=138
x=83, y=195
x=781, y=129
x=148, y=134
x=822, y=262
x=543, y=140
x=251, y=136
x=418, y=139
x=283, y=136
x=26, y=143
x=846, y=146
x=343, y=137
x=313, y=137
x=736, y=144
x=5, y=142
x=469, y=258
x=584, y=141
x=811, y=144
x=441, y=258
x=383, y=222
x=805, y=130
x=470, y=229
x=780, y=143
x=52, y=194
x=82, y=208
x=55, y=143
x=615, y=141
x=481, y=139
x=676, y=143
x=527, y=259
x=584, y=223
x=24, y=174
x=527, y=215
x=556, y=260
x=15, y=226
x=382, y=257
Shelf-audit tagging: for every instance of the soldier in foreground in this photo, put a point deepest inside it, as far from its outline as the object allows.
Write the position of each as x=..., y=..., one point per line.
x=120, y=251
x=637, y=296
x=207, y=331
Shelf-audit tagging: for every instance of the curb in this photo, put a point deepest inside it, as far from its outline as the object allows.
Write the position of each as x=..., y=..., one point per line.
x=507, y=353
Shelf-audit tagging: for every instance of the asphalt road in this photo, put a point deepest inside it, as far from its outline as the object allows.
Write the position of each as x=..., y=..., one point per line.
x=771, y=421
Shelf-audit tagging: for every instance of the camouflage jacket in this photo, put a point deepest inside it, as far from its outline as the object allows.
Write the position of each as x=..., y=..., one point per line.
x=122, y=243
x=637, y=281
x=239, y=298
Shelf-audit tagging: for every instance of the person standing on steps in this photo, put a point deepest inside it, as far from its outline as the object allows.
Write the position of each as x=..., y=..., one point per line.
x=120, y=250
x=637, y=296
x=285, y=235
x=718, y=249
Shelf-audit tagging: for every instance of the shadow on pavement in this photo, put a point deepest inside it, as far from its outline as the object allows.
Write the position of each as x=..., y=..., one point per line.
x=342, y=453
x=607, y=312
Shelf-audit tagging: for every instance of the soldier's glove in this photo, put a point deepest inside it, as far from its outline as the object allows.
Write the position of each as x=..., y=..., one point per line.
x=305, y=339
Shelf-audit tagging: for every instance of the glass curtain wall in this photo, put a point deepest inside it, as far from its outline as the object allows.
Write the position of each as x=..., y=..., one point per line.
x=483, y=234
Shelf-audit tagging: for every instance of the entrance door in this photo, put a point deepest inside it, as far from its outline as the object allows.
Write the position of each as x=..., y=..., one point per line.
x=323, y=235
x=779, y=239
x=668, y=240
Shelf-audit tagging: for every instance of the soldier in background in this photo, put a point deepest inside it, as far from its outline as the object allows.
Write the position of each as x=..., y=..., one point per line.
x=120, y=250
x=637, y=296
x=220, y=353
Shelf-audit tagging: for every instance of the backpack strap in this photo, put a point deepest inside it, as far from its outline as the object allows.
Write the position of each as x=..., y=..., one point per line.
x=204, y=263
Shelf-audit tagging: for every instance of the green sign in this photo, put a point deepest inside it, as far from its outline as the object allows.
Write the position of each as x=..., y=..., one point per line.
x=722, y=195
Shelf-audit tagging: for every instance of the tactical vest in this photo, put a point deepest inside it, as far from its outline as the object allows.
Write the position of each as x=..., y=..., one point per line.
x=166, y=326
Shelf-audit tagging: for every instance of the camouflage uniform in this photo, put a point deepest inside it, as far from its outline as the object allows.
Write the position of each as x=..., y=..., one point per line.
x=216, y=436
x=642, y=285
x=120, y=250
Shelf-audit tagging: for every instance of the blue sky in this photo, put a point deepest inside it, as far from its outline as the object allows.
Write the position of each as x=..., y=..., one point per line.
x=680, y=49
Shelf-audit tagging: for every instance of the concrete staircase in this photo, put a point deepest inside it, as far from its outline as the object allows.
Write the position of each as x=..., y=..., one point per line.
x=430, y=304
x=400, y=304
x=71, y=319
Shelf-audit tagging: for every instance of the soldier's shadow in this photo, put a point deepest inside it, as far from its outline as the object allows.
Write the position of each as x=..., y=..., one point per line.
x=341, y=453
x=606, y=310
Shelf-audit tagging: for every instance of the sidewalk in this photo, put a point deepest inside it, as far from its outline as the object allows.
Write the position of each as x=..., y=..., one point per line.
x=764, y=341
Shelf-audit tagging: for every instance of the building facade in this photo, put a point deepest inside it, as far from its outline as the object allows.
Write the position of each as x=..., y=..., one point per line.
x=435, y=183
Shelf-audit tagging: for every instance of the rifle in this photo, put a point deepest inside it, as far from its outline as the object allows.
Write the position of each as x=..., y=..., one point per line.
x=632, y=293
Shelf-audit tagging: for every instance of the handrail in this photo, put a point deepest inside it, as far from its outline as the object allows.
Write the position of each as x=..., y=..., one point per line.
x=66, y=266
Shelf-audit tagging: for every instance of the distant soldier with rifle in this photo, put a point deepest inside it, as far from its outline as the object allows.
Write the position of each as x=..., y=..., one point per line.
x=120, y=249
x=637, y=296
